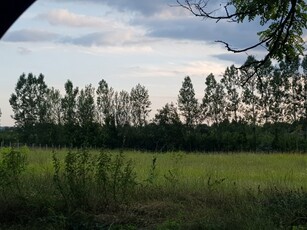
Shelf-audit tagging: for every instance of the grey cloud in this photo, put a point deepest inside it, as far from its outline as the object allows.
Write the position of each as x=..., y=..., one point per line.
x=28, y=35
x=157, y=25
x=145, y=7
x=148, y=7
x=23, y=50
x=237, y=35
x=182, y=26
x=237, y=59
x=92, y=39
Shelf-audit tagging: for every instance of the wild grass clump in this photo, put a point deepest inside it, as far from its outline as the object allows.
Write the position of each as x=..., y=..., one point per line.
x=90, y=182
x=82, y=185
x=12, y=166
x=286, y=208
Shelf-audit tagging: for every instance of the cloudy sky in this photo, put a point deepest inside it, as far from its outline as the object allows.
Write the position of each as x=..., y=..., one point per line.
x=151, y=42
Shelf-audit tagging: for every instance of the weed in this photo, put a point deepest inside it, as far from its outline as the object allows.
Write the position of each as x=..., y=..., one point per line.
x=88, y=181
x=76, y=182
x=115, y=178
x=152, y=171
x=12, y=166
x=172, y=175
x=92, y=190
x=212, y=184
x=103, y=176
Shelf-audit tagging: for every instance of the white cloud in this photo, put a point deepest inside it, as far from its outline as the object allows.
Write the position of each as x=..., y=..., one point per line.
x=99, y=31
x=116, y=50
x=62, y=17
x=194, y=68
x=105, y=38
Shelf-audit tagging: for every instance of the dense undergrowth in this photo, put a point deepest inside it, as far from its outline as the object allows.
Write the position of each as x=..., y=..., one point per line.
x=82, y=189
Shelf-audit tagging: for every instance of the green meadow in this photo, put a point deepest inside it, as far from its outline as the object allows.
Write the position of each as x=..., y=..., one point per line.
x=192, y=170
x=62, y=189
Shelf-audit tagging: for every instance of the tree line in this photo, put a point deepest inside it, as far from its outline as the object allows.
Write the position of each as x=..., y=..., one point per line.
x=265, y=112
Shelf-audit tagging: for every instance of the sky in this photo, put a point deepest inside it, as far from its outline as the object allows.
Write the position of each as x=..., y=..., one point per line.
x=152, y=42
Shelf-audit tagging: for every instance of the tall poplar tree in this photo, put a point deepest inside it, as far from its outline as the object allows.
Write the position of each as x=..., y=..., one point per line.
x=140, y=105
x=277, y=98
x=69, y=104
x=69, y=109
x=105, y=103
x=213, y=106
x=250, y=96
x=187, y=103
x=122, y=108
x=54, y=107
x=86, y=115
x=231, y=82
x=86, y=111
x=265, y=73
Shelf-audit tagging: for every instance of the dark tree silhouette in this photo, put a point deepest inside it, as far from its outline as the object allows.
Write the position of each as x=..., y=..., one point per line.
x=284, y=23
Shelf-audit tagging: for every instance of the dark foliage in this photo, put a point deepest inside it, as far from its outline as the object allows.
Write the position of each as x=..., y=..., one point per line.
x=234, y=114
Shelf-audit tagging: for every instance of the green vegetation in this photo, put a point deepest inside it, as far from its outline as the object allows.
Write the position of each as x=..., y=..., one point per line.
x=267, y=113
x=82, y=189
x=283, y=22
x=259, y=107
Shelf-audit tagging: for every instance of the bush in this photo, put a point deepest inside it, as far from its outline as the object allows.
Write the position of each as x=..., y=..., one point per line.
x=116, y=179
x=13, y=164
x=88, y=181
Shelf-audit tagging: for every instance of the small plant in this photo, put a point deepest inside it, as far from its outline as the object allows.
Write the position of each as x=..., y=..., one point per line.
x=77, y=179
x=152, y=172
x=103, y=176
x=87, y=179
x=13, y=164
x=172, y=175
x=213, y=183
x=116, y=178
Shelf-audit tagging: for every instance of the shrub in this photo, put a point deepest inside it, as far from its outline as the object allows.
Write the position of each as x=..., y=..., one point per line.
x=116, y=179
x=13, y=164
x=87, y=180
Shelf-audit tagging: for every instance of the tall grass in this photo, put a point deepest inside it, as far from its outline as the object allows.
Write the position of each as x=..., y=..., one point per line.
x=244, y=170
x=115, y=189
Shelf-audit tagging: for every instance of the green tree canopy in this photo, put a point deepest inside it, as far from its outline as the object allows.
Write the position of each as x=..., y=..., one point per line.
x=140, y=105
x=86, y=111
x=213, y=104
x=187, y=103
x=105, y=103
x=122, y=108
x=283, y=22
x=54, y=108
x=230, y=81
x=168, y=115
x=69, y=103
x=29, y=102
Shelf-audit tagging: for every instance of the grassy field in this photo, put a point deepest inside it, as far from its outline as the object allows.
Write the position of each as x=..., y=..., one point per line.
x=134, y=190
x=247, y=170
